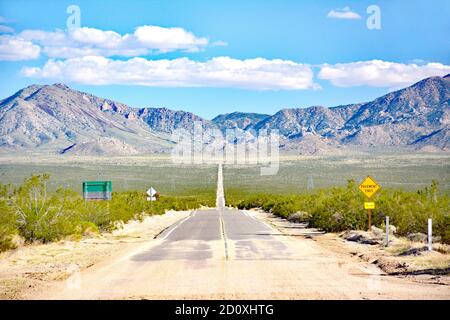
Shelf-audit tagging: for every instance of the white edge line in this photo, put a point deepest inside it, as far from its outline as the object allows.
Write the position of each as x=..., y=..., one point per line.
x=271, y=227
x=137, y=251
x=176, y=226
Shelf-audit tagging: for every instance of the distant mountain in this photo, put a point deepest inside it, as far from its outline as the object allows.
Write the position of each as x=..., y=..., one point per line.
x=238, y=120
x=52, y=118
x=166, y=120
x=294, y=123
x=402, y=117
x=101, y=146
x=57, y=119
x=437, y=140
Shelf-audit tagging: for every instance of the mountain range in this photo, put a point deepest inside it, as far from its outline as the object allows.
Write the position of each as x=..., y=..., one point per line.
x=57, y=119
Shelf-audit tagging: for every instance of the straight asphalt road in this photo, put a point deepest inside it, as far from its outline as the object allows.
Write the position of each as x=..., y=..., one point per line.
x=226, y=253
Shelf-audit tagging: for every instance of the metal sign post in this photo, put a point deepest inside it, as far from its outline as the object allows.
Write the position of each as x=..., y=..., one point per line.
x=430, y=234
x=152, y=194
x=369, y=187
x=387, y=231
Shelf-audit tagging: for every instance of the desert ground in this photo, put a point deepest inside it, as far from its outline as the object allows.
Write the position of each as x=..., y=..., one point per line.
x=391, y=170
x=224, y=253
x=187, y=255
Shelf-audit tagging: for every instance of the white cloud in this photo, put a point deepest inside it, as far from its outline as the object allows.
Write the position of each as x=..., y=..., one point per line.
x=257, y=74
x=6, y=29
x=378, y=73
x=96, y=37
x=90, y=41
x=168, y=39
x=45, y=38
x=16, y=49
x=344, y=13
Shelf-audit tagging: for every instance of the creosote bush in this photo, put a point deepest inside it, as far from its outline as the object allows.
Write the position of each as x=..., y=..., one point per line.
x=8, y=228
x=34, y=214
x=341, y=208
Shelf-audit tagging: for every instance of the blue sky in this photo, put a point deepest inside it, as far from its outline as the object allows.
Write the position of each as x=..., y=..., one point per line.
x=308, y=55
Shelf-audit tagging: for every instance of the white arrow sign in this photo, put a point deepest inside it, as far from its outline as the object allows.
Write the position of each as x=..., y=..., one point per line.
x=151, y=192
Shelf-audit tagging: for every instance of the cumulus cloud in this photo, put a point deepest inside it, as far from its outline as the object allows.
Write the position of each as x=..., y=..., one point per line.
x=257, y=73
x=168, y=39
x=16, y=49
x=378, y=73
x=90, y=41
x=344, y=13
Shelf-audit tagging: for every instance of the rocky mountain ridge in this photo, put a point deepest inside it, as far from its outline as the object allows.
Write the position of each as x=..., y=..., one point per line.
x=55, y=118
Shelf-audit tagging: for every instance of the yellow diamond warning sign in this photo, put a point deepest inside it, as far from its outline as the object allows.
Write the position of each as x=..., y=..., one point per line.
x=369, y=187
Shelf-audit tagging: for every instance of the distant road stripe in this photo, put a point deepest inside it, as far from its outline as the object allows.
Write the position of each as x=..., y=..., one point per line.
x=224, y=235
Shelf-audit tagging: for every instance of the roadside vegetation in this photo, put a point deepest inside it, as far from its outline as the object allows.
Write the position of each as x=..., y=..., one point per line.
x=341, y=208
x=30, y=213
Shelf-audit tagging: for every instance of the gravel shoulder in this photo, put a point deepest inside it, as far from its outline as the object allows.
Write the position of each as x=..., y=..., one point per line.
x=402, y=259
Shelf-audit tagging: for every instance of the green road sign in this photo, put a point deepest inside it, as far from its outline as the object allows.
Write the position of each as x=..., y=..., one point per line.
x=97, y=190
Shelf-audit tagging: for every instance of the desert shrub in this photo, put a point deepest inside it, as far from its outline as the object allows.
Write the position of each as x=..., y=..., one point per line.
x=41, y=216
x=336, y=209
x=86, y=227
x=8, y=220
x=410, y=211
x=341, y=208
x=34, y=214
x=285, y=207
x=129, y=205
x=37, y=215
x=8, y=227
x=442, y=224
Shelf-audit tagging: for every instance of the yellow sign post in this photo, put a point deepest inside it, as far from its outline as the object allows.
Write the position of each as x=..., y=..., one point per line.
x=369, y=187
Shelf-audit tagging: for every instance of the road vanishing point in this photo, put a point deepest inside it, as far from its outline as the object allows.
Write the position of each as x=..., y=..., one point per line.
x=226, y=253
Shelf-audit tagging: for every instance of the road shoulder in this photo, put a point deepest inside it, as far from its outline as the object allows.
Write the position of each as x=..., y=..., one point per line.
x=419, y=266
x=26, y=270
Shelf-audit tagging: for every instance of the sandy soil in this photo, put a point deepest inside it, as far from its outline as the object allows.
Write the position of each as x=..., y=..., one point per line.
x=264, y=265
x=431, y=267
x=324, y=266
x=24, y=271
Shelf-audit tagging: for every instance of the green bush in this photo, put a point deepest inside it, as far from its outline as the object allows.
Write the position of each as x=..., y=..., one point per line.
x=8, y=220
x=8, y=227
x=341, y=208
x=41, y=216
x=36, y=215
x=32, y=213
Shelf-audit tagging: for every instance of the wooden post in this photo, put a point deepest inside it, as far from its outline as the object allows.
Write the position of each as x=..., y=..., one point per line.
x=369, y=212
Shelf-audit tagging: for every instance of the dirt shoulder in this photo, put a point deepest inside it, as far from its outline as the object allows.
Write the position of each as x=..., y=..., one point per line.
x=25, y=270
x=402, y=258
